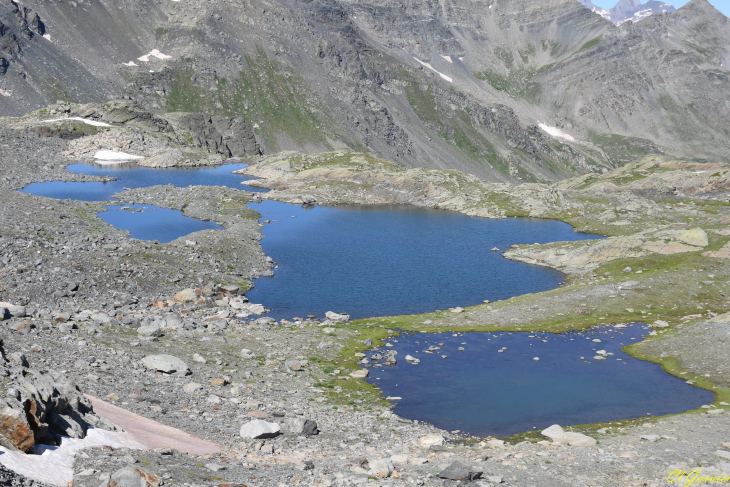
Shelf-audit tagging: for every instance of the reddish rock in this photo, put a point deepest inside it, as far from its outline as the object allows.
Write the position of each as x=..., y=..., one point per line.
x=15, y=428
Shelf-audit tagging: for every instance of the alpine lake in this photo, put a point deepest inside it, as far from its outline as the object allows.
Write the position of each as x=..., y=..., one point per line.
x=398, y=260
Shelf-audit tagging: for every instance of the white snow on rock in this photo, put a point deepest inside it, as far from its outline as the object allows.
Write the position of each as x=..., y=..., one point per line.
x=112, y=157
x=85, y=120
x=448, y=58
x=556, y=132
x=4, y=93
x=130, y=63
x=47, y=36
x=428, y=65
x=54, y=465
x=155, y=53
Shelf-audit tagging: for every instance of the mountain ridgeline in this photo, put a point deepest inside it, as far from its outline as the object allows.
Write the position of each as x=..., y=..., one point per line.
x=507, y=90
x=626, y=10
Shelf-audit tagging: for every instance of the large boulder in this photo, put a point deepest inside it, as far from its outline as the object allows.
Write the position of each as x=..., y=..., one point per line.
x=152, y=330
x=260, y=429
x=132, y=477
x=11, y=311
x=562, y=437
x=695, y=236
x=167, y=364
x=460, y=471
x=430, y=440
x=189, y=295
x=337, y=317
x=382, y=467
x=301, y=426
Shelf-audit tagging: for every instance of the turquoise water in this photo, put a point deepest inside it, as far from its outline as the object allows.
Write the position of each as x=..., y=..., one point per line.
x=486, y=392
x=131, y=175
x=392, y=260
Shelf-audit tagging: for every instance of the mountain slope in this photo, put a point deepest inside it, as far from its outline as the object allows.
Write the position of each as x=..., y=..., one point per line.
x=518, y=90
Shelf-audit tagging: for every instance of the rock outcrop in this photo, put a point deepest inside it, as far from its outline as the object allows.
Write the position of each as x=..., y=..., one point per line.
x=40, y=407
x=228, y=136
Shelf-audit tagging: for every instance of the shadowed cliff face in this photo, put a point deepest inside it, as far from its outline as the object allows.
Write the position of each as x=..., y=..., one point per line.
x=516, y=90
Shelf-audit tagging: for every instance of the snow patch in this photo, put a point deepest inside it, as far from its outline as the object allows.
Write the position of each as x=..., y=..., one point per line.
x=4, y=93
x=555, y=132
x=113, y=157
x=47, y=36
x=438, y=72
x=155, y=53
x=54, y=464
x=448, y=58
x=606, y=14
x=130, y=63
x=85, y=120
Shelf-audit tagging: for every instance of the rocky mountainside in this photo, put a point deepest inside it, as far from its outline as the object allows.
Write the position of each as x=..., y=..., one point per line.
x=518, y=90
x=632, y=10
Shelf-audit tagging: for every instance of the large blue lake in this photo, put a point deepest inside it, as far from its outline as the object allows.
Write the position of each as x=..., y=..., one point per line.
x=379, y=261
x=483, y=391
x=364, y=261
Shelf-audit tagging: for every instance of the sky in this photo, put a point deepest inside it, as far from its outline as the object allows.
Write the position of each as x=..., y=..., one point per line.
x=721, y=5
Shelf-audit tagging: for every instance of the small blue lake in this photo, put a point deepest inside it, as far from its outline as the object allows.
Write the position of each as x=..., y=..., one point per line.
x=393, y=260
x=130, y=175
x=486, y=392
x=148, y=222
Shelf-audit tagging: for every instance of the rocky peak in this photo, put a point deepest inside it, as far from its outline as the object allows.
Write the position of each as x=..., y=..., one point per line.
x=632, y=10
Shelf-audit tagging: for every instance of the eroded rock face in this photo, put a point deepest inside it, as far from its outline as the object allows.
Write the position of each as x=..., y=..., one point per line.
x=40, y=407
x=228, y=136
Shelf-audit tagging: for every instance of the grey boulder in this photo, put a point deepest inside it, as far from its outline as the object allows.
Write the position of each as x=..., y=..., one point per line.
x=460, y=471
x=301, y=426
x=260, y=429
x=132, y=477
x=149, y=331
x=167, y=364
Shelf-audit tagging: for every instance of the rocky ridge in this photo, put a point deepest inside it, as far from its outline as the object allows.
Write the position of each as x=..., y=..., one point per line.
x=509, y=91
x=630, y=10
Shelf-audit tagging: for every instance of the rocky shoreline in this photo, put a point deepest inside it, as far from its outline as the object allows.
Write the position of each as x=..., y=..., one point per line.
x=96, y=305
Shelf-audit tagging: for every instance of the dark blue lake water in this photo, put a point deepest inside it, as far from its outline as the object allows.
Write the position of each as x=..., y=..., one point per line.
x=365, y=261
x=147, y=222
x=392, y=260
x=133, y=176
x=486, y=392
